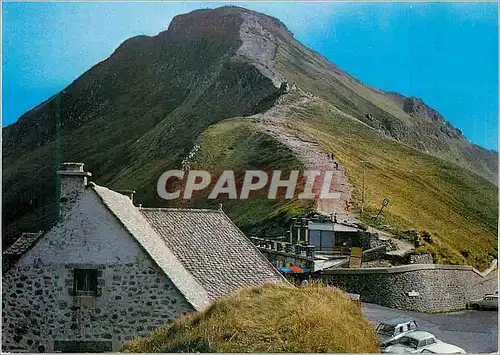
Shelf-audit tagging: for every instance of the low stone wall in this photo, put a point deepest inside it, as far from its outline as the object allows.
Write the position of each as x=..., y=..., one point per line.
x=409, y=258
x=374, y=253
x=422, y=288
x=420, y=258
x=369, y=240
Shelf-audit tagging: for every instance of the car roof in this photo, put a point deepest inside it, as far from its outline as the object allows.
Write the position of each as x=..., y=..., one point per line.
x=419, y=335
x=439, y=347
x=396, y=320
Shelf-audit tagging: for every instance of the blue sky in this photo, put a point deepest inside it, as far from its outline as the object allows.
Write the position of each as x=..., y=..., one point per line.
x=444, y=53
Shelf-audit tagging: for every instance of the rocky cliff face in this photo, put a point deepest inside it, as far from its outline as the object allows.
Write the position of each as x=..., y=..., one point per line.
x=139, y=112
x=415, y=106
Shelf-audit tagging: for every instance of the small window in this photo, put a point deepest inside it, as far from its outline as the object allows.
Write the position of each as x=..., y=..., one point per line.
x=413, y=326
x=85, y=281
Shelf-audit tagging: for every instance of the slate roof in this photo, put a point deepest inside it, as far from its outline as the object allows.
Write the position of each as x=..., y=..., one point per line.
x=202, y=251
x=219, y=256
x=25, y=242
x=13, y=253
x=130, y=217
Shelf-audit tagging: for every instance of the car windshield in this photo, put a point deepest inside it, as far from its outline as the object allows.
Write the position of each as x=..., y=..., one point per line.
x=410, y=342
x=385, y=329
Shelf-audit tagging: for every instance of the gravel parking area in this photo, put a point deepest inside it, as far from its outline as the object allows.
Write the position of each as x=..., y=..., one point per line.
x=474, y=331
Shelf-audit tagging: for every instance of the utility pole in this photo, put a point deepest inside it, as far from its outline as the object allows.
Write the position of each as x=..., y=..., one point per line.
x=363, y=193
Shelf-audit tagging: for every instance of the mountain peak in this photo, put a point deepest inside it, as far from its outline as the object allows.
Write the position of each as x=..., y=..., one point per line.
x=213, y=21
x=225, y=20
x=143, y=109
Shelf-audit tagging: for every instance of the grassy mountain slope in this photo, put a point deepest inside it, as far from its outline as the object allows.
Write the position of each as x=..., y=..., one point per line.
x=455, y=205
x=458, y=207
x=237, y=145
x=388, y=112
x=141, y=111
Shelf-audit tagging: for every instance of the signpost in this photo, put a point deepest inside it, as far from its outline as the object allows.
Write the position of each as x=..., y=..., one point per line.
x=385, y=202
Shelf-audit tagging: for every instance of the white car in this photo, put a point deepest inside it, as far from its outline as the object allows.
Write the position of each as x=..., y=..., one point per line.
x=443, y=348
x=422, y=342
x=389, y=330
x=412, y=342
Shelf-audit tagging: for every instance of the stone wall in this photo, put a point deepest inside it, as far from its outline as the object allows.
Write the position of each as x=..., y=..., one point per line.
x=423, y=288
x=374, y=253
x=425, y=258
x=73, y=182
x=486, y=285
x=369, y=240
x=409, y=258
x=134, y=296
x=39, y=307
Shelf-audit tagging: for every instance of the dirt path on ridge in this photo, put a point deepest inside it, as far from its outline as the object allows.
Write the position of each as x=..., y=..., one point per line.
x=274, y=123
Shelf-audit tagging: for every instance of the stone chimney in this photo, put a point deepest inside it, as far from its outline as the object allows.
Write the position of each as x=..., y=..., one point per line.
x=73, y=182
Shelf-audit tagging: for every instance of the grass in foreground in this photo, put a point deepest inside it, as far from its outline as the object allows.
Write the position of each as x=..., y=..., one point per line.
x=269, y=319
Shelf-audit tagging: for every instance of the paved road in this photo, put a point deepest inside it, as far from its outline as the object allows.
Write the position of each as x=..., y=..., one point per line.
x=474, y=331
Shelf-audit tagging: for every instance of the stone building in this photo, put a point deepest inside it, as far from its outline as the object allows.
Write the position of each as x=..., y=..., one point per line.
x=110, y=271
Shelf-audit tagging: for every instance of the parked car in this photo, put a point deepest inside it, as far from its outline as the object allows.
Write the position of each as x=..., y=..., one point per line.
x=443, y=348
x=489, y=302
x=412, y=342
x=392, y=329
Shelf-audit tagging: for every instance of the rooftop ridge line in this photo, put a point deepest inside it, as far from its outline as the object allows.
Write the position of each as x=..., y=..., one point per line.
x=167, y=209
